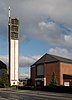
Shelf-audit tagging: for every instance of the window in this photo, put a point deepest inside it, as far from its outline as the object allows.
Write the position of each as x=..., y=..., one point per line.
x=12, y=21
x=38, y=82
x=14, y=28
x=12, y=35
x=16, y=35
x=40, y=70
x=16, y=22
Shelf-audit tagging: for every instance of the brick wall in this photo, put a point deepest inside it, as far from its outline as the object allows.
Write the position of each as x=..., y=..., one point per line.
x=48, y=71
x=58, y=68
x=65, y=68
x=33, y=74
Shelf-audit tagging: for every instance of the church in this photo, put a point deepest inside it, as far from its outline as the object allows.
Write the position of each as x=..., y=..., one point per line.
x=42, y=70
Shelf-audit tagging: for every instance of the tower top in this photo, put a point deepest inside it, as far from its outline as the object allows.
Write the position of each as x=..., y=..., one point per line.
x=9, y=11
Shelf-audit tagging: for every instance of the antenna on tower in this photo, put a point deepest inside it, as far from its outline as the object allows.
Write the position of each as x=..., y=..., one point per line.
x=9, y=11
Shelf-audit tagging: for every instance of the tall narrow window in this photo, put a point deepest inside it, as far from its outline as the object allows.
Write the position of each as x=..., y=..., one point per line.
x=40, y=70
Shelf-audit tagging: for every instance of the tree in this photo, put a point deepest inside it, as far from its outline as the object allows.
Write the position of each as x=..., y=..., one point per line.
x=53, y=80
x=4, y=80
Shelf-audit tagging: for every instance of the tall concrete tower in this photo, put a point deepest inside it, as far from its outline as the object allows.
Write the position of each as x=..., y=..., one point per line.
x=13, y=49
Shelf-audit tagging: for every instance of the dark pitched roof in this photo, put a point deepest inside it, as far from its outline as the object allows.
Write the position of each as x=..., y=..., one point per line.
x=2, y=65
x=62, y=59
x=47, y=58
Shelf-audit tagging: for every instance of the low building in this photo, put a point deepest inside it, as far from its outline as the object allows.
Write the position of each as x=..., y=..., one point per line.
x=3, y=68
x=25, y=82
x=42, y=70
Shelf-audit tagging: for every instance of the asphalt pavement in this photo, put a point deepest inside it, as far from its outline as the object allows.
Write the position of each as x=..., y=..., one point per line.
x=32, y=95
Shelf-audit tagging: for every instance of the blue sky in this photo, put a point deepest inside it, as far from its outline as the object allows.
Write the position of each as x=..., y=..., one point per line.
x=45, y=27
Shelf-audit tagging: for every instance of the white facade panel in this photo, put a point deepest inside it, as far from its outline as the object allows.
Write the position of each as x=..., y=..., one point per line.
x=12, y=60
x=16, y=60
x=66, y=84
x=14, y=83
x=44, y=81
x=41, y=79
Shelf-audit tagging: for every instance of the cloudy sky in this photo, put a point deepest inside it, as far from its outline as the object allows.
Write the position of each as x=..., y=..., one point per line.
x=45, y=27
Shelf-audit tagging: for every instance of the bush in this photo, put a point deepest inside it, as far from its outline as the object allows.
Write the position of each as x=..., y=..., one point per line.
x=53, y=80
x=4, y=80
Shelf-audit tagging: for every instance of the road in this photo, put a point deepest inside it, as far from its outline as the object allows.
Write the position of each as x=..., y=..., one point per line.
x=33, y=95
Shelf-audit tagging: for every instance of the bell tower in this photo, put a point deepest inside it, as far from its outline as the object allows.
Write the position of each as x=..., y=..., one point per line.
x=13, y=49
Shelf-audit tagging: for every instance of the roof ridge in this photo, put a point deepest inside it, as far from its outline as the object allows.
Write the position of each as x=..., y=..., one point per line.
x=49, y=58
x=40, y=59
x=53, y=56
x=61, y=57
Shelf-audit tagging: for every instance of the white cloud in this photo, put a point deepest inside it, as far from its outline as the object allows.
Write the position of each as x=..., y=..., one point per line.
x=33, y=16
x=68, y=39
x=63, y=52
x=24, y=75
x=28, y=61
x=4, y=59
x=24, y=61
x=46, y=25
